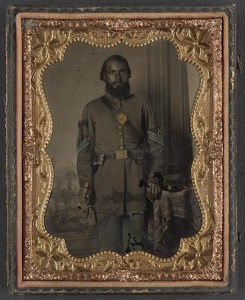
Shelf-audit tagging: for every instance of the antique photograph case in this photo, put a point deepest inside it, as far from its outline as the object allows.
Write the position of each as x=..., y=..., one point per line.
x=123, y=125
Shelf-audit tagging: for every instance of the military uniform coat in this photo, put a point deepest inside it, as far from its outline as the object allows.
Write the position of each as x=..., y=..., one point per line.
x=116, y=181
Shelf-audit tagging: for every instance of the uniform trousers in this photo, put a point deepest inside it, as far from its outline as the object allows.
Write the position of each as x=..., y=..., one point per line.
x=121, y=233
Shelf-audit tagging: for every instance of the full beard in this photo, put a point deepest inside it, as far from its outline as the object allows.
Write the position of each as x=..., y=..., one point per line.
x=119, y=91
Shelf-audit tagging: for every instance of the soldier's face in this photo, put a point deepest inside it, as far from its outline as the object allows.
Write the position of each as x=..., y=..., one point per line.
x=116, y=78
x=116, y=73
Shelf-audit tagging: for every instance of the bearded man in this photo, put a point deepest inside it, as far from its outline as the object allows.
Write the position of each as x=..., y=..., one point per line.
x=118, y=145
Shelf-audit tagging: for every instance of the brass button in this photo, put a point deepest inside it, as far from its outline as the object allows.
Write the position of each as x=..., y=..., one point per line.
x=121, y=147
x=120, y=133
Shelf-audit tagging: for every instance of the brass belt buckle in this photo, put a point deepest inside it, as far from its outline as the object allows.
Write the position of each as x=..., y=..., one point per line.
x=121, y=154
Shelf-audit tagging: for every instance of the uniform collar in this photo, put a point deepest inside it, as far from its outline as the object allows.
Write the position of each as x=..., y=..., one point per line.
x=115, y=99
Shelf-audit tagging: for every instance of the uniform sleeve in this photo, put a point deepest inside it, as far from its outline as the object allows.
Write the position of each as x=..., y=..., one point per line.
x=85, y=145
x=154, y=139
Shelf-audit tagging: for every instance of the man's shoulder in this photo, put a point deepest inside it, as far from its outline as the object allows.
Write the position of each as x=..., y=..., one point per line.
x=94, y=103
x=98, y=102
x=143, y=101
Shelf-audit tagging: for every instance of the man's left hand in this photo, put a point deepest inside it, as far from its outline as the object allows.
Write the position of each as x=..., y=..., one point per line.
x=153, y=191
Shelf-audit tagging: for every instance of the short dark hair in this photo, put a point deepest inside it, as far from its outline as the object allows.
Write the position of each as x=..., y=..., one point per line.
x=118, y=58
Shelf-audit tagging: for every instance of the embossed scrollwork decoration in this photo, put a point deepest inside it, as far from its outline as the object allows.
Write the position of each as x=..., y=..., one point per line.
x=198, y=42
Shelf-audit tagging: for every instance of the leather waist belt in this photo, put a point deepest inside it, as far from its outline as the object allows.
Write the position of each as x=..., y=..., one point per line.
x=118, y=154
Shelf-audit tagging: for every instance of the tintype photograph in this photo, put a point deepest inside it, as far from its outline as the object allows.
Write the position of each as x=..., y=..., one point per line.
x=123, y=142
x=122, y=149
